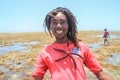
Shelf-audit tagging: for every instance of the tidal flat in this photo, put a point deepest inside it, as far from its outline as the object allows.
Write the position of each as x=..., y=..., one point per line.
x=18, y=53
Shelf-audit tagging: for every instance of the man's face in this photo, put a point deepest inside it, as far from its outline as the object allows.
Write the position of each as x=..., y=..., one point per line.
x=59, y=26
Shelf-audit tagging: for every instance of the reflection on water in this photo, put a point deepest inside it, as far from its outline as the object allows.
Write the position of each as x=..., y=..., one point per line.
x=27, y=43
x=21, y=47
x=101, y=36
x=16, y=65
x=95, y=45
x=6, y=49
x=115, y=60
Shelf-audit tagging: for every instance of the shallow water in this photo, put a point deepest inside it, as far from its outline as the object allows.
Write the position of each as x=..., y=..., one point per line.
x=6, y=49
x=13, y=75
x=101, y=36
x=95, y=45
x=27, y=43
x=114, y=60
x=19, y=75
x=21, y=47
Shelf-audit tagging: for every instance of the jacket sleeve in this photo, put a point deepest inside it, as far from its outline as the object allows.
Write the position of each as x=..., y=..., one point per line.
x=91, y=61
x=40, y=66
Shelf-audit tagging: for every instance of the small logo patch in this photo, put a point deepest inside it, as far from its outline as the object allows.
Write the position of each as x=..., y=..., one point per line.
x=76, y=50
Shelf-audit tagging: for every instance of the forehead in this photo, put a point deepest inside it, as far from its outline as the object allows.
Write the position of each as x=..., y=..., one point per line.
x=59, y=16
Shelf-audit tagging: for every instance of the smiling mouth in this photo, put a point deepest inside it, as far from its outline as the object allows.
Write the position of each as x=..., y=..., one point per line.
x=59, y=32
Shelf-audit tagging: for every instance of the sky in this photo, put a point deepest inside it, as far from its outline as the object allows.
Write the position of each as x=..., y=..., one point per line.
x=28, y=15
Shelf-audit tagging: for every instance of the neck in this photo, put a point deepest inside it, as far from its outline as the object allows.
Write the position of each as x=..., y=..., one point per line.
x=61, y=40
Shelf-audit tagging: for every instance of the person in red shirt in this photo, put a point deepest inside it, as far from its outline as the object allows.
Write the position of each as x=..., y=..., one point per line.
x=106, y=36
x=66, y=56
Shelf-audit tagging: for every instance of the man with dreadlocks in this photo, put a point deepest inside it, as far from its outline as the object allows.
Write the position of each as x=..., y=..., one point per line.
x=66, y=56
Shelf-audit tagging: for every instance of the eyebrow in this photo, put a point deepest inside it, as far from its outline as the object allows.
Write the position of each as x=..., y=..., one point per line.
x=53, y=19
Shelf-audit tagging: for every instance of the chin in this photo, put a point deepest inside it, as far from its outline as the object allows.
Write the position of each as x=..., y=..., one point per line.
x=60, y=37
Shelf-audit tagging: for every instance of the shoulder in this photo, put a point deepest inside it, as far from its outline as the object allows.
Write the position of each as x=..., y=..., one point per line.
x=45, y=51
x=83, y=47
x=82, y=44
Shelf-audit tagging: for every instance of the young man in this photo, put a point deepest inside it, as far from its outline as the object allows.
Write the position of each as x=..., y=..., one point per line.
x=66, y=56
x=106, y=36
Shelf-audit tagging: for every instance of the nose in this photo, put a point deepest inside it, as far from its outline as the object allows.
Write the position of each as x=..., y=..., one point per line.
x=59, y=25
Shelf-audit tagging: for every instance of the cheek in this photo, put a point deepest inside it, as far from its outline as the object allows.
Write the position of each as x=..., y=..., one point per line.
x=67, y=28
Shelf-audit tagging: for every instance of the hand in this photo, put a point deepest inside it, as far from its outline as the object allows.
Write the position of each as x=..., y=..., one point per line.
x=37, y=78
x=103, y=76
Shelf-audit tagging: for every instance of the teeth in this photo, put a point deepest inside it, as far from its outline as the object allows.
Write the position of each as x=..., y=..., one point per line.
x=59, y=32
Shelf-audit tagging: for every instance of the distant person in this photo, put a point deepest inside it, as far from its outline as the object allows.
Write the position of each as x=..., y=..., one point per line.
x=106, y=36
x=66, y=56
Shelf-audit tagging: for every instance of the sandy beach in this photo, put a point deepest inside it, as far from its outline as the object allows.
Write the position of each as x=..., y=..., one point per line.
x=18, y=53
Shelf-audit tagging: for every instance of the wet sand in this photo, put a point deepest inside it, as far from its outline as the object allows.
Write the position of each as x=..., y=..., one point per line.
x=18, y=53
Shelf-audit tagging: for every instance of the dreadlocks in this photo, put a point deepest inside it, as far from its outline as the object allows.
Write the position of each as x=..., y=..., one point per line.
x=71, y=20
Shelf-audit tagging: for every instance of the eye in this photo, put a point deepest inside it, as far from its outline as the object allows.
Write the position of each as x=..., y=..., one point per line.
x=63, y=23
x=54, y=23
